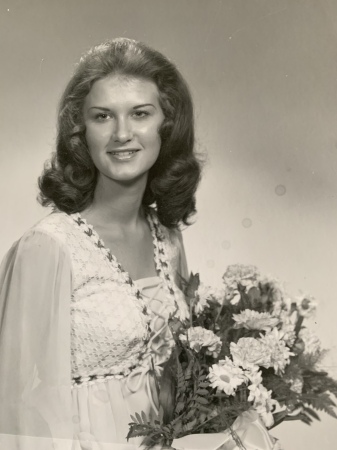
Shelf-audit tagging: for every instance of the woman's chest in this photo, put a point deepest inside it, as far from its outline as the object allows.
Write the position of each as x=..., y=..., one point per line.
x=109, y=328
x=134, y=251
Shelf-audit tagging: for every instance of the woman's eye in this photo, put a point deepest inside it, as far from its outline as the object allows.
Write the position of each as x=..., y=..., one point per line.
x=102, y=116
x=140, y=114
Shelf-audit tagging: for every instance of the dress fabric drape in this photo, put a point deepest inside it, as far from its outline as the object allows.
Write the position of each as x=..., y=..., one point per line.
x=35, y=392
x=75, y=338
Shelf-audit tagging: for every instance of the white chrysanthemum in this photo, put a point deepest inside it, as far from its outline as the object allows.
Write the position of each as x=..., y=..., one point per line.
x=312, y=344
x=278, y=351
x=226, y=376
x=249, y=353
x=199, y=337
x=205, y=294
x=306, y=305
x=254, y=320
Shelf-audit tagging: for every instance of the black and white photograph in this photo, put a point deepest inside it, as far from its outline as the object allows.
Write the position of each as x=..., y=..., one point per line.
x=168, y=249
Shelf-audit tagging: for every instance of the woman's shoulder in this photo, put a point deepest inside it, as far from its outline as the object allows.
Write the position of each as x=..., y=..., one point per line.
x=52, y=230
x=40, y=246
x=56, y=225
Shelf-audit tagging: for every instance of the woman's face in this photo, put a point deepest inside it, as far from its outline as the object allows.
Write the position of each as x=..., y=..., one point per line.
x=122, y=116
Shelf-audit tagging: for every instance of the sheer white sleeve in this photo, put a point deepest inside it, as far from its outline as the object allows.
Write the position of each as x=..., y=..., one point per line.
x=35, y=388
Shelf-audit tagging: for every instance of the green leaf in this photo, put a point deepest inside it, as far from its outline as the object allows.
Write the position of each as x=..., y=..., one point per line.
x=204, y=409
x=190, y=425
x=312, y=413
x=168, y=389
x=177, y=427
x=201, y=400
x=192, y=285
x=181, y=380
x=306, y=419
x=188, y=372
x=191, y=413
x=136, y=433
x=279, y=417
x=179, y=408
x=136, y=430
x=202, y=392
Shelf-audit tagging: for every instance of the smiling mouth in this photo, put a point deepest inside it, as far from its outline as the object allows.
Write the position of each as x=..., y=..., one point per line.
x=123, y=154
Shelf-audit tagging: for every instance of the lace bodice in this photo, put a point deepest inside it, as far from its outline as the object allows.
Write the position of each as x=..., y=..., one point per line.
x=110, y=319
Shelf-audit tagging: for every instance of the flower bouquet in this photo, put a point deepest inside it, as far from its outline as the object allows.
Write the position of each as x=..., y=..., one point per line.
x=244, y=359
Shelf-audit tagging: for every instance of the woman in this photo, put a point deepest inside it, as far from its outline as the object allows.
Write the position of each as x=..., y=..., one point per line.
x=85, y=294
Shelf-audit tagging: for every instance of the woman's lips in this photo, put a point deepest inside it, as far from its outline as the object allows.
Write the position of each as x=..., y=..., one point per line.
x=123, y=155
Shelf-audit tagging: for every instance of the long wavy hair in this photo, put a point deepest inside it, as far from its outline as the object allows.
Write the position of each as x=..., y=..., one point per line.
x=69, y=179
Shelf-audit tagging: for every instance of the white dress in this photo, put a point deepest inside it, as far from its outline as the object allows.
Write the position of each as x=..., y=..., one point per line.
x=80, y=342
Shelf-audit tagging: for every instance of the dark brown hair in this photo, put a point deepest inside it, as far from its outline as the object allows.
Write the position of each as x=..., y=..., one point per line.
x=69, y=181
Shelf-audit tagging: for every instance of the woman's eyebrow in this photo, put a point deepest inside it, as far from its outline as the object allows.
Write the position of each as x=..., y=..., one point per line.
x=99, y=107
x=145, y=104
x=103, y=108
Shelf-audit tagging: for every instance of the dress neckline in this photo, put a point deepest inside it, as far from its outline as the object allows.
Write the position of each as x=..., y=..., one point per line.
x=162, y=263
x=99, y=242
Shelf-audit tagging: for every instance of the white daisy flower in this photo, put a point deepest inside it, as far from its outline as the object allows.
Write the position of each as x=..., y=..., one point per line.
x=226, y=376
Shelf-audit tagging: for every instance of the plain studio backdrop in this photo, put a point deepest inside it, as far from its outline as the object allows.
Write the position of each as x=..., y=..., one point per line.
x=263, y=77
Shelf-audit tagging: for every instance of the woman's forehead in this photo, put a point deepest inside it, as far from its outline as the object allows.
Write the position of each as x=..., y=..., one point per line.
x=121, y=88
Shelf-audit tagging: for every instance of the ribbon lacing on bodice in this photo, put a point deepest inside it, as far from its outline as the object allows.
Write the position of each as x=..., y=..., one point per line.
x=157, y=344
x=158, y=348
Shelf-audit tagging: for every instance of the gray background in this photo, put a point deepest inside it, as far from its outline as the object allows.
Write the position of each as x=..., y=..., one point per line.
x=263, y=76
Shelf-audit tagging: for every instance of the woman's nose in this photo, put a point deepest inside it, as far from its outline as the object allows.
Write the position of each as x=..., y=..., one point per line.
x=122, y=131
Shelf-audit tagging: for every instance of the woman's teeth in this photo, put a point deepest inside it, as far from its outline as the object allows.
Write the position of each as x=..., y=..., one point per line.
x=124, y=155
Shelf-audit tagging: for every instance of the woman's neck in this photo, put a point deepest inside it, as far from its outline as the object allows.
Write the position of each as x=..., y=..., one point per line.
x=116, y=203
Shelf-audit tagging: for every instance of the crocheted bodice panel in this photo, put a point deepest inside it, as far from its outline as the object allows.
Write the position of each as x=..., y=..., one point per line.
x=110, y=321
